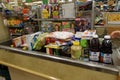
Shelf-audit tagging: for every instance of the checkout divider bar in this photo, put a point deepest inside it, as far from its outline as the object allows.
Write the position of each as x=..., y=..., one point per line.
x=111, y=69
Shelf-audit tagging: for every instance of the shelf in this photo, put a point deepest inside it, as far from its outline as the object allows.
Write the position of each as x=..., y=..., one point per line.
x=60, y=19
x=15, y=27
x=99, y=26
x=84, y=11
x=113, y=23
x=16, y=34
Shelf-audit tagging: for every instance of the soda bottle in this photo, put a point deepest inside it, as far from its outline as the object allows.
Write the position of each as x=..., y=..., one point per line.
x=86, y=51
x=94, y=49
x=106, y=50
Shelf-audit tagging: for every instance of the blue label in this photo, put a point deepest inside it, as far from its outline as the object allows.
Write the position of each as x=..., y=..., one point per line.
x=107, y=57
x=94, y=56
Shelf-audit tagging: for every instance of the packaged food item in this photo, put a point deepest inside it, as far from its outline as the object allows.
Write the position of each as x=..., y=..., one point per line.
x=88, y=34
x=106, y=50
x=66, y=26
x=94, y=49
x=24, y=39
x=86, y=50
x=31, y=39
x=40, y=41
x=52, y=49
x=76, y=50
x=49, y=51
x=16, y=42
x=83, y=42
x=25, y=11
x=62, y=35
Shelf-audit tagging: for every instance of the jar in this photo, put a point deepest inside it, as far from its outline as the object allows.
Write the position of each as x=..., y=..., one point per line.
x=76, y=50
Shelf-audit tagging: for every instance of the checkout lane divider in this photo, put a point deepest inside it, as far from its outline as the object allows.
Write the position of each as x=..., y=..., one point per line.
x=30, y=71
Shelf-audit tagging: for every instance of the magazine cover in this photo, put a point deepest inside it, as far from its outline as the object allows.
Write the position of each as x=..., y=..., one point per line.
x=68, y=10
x=55, y=11
x=46, y=26
x=56, y=26
x=83, y=7
x=82, y=24
x=45, y=11
x=83, y=16
x=68, y=26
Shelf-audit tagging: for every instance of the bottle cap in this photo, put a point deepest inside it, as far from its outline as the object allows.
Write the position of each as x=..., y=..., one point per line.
x=76, y=43
x=107, y=37
x=95, y=36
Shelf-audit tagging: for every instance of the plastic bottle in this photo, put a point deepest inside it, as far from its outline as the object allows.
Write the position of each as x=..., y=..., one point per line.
x=76, y=50
x=83, y=43
x=94, y=49
x=86, y=51
x=106, y=50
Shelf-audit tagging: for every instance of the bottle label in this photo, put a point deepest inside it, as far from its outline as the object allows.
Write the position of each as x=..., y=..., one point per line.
x=107, y=57
x=94, y=56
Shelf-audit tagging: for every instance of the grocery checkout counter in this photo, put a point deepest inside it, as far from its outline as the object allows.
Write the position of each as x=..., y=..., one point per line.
x=32, y=65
